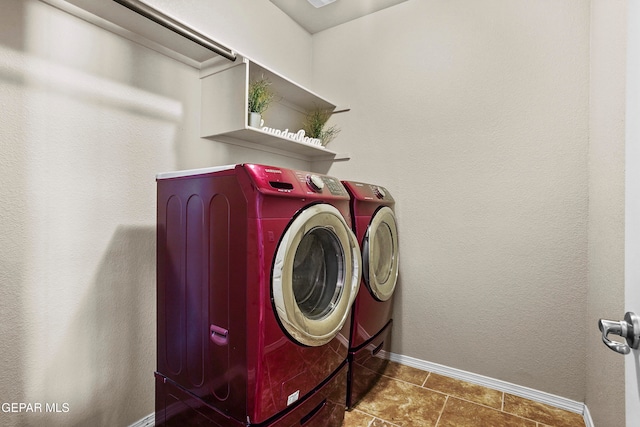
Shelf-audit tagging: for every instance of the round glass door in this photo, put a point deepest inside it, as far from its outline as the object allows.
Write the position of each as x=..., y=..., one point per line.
x=380, y=254
x=316, y=274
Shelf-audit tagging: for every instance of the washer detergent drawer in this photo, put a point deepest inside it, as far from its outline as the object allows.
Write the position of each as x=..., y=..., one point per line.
x=367, y=365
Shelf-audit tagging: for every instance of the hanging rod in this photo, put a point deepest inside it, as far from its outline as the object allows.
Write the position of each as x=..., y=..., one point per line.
x=177, y=27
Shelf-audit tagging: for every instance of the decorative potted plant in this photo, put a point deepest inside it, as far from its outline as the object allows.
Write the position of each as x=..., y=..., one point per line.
x=259, y=99
x=314, y=126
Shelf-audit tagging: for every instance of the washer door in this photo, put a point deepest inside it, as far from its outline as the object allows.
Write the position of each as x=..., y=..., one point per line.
x=316, y=275
x=380, y=254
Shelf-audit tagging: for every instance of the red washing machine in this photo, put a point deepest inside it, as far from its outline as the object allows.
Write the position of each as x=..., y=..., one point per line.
x=257, y=271
x=374, y=223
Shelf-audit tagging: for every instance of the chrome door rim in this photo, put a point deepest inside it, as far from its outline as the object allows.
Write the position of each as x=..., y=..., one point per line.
x=381, y=288
x=304, y=329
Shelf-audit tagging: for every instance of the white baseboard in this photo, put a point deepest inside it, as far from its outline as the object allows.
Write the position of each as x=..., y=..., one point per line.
x=148, y=421
x=588, y=421
x=516, y=390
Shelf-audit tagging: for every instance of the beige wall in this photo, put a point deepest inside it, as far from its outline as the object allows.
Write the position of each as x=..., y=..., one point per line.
x=87, y=120
x=475, y=116
x=84, y=130
x=605, y=369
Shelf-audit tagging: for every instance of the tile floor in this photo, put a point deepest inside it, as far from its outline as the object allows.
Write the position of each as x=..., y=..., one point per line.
x=409, y=397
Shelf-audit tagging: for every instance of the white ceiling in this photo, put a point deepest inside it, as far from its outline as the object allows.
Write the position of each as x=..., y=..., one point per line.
x=315, y=20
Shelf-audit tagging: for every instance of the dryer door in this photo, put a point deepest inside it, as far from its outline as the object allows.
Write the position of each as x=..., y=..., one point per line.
x=380, y=254
x=316, y=275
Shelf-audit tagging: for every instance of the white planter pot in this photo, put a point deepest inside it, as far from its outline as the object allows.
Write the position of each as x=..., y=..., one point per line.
x=255, y=120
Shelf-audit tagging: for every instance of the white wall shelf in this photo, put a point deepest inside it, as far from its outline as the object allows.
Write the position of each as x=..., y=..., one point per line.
x=224, y=109
x=259, y=139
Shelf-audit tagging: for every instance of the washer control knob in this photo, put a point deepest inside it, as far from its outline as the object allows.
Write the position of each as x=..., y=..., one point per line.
x=379, y=192
x=315, y=183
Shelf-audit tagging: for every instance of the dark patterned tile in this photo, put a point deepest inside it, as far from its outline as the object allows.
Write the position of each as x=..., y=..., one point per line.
x=541, y=413
x=403, y=404
x=405, y=373
x=460, y=413
x=381, y=423
x=356, y=418
x=398, y=400
x=465, y=390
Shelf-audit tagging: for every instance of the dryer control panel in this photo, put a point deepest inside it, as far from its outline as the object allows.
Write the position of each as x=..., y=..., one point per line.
x=368, y=192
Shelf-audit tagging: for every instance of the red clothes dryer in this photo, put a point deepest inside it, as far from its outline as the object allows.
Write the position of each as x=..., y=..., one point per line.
x=257, y=271
x=375, y=226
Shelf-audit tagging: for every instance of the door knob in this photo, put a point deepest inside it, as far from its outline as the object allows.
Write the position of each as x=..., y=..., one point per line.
x=629, y=328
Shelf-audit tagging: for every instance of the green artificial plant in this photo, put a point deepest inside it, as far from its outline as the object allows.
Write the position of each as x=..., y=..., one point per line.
x=314, y=126
x=259, y=95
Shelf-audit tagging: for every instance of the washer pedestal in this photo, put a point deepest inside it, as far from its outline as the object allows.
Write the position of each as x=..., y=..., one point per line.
x=175, y=407
x=367, y=364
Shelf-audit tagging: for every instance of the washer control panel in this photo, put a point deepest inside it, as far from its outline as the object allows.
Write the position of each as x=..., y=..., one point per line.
x=293, y=182
x=315, y=183
x=378, y=191
x=318, y=183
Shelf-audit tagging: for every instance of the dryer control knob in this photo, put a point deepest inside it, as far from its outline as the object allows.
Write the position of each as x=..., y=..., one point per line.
x=379, y=192
x=315, y=183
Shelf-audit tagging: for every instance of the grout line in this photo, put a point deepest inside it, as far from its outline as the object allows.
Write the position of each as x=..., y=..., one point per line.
x=502, y=400
x=403, y=381
x=447, y=396
x=464, y=399
x=385, y=421
x=446, y=399
x=474, y=403
x=493, y=383
x=425, y=380
x=373, y=418
x=495, y=409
